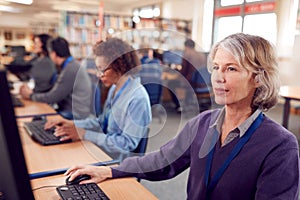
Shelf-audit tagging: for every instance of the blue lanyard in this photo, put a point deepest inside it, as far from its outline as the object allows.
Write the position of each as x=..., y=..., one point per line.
x=64, y=64
x=69, y=59
x=109, y=105
x=210, y=185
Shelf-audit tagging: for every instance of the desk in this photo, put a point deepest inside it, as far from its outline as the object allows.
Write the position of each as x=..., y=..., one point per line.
x=123, y=188
x=288, y=93
x=33, y=108
x=44, y=158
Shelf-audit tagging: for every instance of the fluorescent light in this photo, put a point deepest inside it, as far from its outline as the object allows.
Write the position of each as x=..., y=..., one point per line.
x=9, y=9
x=27, y=2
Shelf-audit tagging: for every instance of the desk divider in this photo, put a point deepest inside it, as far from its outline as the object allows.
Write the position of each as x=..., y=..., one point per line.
x=61, y=171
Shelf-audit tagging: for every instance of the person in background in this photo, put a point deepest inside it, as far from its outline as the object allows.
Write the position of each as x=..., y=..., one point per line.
x=43, y=69
x=72, y=88
x=235, y=152
x=191, y=61
x=151, y=67
x=126, y=113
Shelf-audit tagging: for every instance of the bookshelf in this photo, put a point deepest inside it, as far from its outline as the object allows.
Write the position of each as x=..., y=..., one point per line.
x=83, y=30
x=158, y=33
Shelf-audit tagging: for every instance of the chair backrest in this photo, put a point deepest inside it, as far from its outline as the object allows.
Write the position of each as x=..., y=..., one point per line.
x=154, y=91
x=201, y=81
x=96, y=100
x=150, y=75
x=142, y=146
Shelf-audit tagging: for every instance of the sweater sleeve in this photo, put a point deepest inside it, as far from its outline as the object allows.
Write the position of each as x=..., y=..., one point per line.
x=278, y=179
x=169, y=161
x=130, y=129
x=62, y=88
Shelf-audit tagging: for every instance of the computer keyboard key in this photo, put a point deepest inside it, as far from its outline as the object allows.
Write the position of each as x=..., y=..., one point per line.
x=82, y=191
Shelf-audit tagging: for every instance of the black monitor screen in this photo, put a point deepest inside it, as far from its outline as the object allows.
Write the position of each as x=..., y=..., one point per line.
x=14, y=178
x=17, y=51
x=172, y=57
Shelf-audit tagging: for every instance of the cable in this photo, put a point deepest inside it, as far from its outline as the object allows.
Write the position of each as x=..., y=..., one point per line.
x=45, y=186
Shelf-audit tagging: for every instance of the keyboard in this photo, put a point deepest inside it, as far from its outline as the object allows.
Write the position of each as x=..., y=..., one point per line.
x=16, y=101
x=81, y=191
x=45, y=137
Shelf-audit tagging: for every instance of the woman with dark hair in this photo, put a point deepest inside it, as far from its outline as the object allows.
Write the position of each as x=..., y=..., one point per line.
x=126, y=113
x=232, y=153
x=43, y=69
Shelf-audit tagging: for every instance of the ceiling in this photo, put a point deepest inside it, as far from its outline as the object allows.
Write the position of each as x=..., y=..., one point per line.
x=48, y=11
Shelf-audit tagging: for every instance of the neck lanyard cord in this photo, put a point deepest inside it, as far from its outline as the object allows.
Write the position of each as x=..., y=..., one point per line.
x=211, y=184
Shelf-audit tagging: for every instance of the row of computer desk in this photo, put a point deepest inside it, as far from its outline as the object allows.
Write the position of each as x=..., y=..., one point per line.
x=43, y=159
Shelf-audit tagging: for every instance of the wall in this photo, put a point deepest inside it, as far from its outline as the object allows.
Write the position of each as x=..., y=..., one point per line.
x=15, y=36
x=288, y=45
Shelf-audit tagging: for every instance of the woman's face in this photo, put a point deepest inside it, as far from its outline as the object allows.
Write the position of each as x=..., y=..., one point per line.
x=37, y=45
x=106, y=74
x=232, y=84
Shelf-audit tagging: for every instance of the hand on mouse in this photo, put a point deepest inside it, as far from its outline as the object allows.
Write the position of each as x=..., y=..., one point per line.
x=98, y=174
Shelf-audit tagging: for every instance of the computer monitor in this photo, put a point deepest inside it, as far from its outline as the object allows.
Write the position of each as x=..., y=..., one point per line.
x=16, y=51
x=172, y=57
x=14, y=178
x=20, y=70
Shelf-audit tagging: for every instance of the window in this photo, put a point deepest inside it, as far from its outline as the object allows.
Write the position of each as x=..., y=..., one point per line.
x=256, y=17
x=267, y=24
x=228, y=25
x=231, y=2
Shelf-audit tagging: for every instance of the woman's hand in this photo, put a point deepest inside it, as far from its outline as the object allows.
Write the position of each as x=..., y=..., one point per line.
x=98, y=174
x=66, y=129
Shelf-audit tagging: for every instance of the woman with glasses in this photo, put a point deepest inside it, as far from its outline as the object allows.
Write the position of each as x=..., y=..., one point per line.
x=126, y=113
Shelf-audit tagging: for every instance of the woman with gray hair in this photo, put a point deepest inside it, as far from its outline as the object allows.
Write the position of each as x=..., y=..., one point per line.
x=235, y=152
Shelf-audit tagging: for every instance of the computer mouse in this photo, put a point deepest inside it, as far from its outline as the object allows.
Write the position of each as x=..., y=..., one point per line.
x=77, y=179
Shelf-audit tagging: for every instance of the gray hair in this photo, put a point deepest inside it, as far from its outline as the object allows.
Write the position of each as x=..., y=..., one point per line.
x=257, y=55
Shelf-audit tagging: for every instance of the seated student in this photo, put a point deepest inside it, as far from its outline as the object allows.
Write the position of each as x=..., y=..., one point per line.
x=43, y=69
x=72, y=88
x=233, y=153
x=126, y=114
x=151, y=67
x=191, y=61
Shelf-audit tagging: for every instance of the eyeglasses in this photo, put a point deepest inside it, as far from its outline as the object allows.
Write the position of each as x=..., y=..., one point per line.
x=100, y=72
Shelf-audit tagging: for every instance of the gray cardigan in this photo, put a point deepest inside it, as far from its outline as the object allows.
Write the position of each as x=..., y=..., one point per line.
x=72, y=91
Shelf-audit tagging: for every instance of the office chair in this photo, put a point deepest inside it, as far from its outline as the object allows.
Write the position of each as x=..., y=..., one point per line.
x=96, y=100
x=201, y=83
x=142, y=146
x=154, y=90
